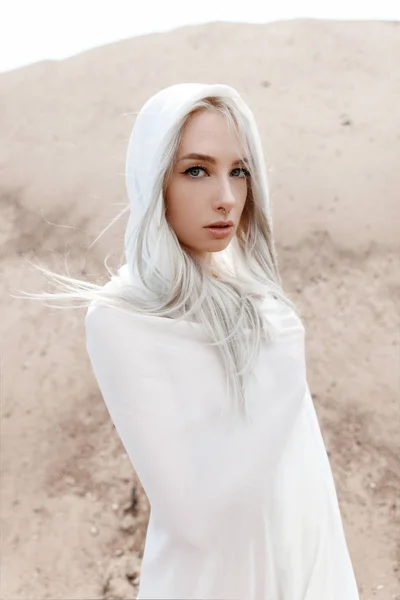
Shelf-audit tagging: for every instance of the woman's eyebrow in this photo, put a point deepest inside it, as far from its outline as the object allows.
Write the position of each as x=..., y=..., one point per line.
x=207, y=158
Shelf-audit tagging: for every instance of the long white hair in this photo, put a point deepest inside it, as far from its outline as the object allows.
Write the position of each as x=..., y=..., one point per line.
x=162, y=279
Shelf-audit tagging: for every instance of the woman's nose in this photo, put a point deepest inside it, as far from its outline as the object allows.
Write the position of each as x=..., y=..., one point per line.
x=225, y=195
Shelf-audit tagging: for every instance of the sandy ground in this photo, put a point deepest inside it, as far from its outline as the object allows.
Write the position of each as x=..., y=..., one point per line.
x=327, y=99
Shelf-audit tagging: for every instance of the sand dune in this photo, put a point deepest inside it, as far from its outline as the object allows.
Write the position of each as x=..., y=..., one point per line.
x=327, y=99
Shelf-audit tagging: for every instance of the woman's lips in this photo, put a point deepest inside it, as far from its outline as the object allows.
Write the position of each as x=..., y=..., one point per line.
x=220, y=232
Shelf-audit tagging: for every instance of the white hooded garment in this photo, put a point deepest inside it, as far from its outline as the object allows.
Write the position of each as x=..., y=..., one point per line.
x=242, y=510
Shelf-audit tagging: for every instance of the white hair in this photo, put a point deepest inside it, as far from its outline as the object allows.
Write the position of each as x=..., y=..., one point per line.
x=227, y=307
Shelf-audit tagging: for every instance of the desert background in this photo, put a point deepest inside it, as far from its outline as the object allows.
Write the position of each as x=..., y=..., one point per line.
x=326, y=95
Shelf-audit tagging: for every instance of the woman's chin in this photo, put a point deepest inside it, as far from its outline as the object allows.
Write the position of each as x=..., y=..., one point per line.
x=209, y=248
x=218, y=245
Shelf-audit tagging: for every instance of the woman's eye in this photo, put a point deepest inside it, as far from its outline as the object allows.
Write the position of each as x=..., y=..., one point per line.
x=244, y=172
x=193, y=170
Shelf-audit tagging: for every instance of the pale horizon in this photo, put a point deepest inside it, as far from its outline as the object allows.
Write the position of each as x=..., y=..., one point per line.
x=45, y=30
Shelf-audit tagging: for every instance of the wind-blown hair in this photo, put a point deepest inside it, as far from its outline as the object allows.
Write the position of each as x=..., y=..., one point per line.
x=227, y=307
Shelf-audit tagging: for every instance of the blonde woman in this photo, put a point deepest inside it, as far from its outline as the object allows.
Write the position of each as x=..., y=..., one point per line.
x=199, y=355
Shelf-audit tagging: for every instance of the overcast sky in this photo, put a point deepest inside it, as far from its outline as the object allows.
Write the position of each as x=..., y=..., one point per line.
x=34, y=30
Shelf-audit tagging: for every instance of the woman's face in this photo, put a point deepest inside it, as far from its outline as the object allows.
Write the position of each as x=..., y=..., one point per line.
x=201, y=187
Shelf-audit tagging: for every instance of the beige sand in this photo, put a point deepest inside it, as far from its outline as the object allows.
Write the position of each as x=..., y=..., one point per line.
x=327, y=98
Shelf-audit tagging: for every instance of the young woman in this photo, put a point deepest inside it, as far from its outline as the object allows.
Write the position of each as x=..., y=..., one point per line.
x=200, y=358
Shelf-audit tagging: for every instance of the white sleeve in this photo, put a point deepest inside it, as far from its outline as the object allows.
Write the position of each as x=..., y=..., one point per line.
x=139, y=393
x=137, y=396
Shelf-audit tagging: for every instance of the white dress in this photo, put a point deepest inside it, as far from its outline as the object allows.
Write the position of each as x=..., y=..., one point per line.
x=244, y=511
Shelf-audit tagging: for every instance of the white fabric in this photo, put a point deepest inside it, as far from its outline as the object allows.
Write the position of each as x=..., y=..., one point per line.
x=239, y=510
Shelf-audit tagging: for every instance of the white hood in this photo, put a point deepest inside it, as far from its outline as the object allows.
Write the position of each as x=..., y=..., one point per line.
x=150, y=135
